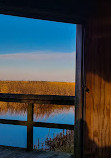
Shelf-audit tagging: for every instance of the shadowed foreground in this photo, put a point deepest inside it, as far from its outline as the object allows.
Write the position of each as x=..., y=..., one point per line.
x=6, y=152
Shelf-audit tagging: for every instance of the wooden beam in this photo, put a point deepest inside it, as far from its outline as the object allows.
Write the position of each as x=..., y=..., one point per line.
x=39, y=99
x=72, y=11
x=79, y=93
x=37, y=124
x=13, y=122
x=56, y=10
x=53, y=125
x=30, y=127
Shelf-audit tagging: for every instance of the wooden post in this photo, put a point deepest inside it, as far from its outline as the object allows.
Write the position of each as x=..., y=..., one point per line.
x=30, y=127
x=79, y=93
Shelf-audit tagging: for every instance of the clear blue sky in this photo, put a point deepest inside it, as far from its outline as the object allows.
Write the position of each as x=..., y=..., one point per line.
x=33, y=49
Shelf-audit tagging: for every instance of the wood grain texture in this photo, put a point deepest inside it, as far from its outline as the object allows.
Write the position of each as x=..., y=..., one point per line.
x=97, y=125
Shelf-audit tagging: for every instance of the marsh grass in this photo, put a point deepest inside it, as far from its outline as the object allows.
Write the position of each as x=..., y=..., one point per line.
x=38, y=87
x=61, y=142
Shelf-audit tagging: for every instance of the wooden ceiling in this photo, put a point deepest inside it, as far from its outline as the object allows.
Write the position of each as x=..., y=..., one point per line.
x=71, y=11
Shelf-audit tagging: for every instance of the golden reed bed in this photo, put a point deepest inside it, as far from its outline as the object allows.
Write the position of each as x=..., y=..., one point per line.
x=35, y=87
x=38, y=87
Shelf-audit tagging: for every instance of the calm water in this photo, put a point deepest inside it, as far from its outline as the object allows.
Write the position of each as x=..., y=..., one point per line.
x=16, y=136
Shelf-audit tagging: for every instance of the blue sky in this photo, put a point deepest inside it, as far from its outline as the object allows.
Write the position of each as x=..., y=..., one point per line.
x=32, y=49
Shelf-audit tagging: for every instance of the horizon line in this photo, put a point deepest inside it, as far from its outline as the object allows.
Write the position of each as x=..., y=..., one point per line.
x=36, y=81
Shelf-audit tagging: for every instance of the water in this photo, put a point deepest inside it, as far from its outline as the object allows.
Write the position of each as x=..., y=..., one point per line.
x=15, y=135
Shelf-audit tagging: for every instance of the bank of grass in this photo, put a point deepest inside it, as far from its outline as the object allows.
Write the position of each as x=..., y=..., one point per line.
x=38, y=87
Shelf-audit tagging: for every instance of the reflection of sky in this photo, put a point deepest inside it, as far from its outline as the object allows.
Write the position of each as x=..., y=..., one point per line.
x=36, y=50
x=64, y=117
x=16, y=135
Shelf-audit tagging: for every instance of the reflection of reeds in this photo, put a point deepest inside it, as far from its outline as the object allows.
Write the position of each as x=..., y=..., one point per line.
x=40, y=111
x=35, y=87
x=47, y=110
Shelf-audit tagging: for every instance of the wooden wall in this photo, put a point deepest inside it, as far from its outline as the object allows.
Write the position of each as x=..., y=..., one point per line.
x=97, y=116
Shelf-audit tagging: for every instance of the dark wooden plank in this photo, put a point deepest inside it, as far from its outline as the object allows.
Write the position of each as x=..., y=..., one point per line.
x=53, y=125
x=30, y=127
x=79, y=93
x=13, y=122
x=56, y=10
x=37, y=124
x=73, y=11
x=40, y=99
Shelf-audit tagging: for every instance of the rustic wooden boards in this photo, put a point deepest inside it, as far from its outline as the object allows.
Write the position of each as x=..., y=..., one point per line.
x=10, y=152
x=97, y=125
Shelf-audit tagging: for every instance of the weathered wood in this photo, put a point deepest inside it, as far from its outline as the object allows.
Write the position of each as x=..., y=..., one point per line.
x=14, y=152
x=13, y=122
x=39, y=99
x=97, y=125
x=30, y=127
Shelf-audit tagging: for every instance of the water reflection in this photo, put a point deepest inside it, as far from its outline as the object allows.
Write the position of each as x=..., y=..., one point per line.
x=11, y=135
x=48, y=113
x=43, y=137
